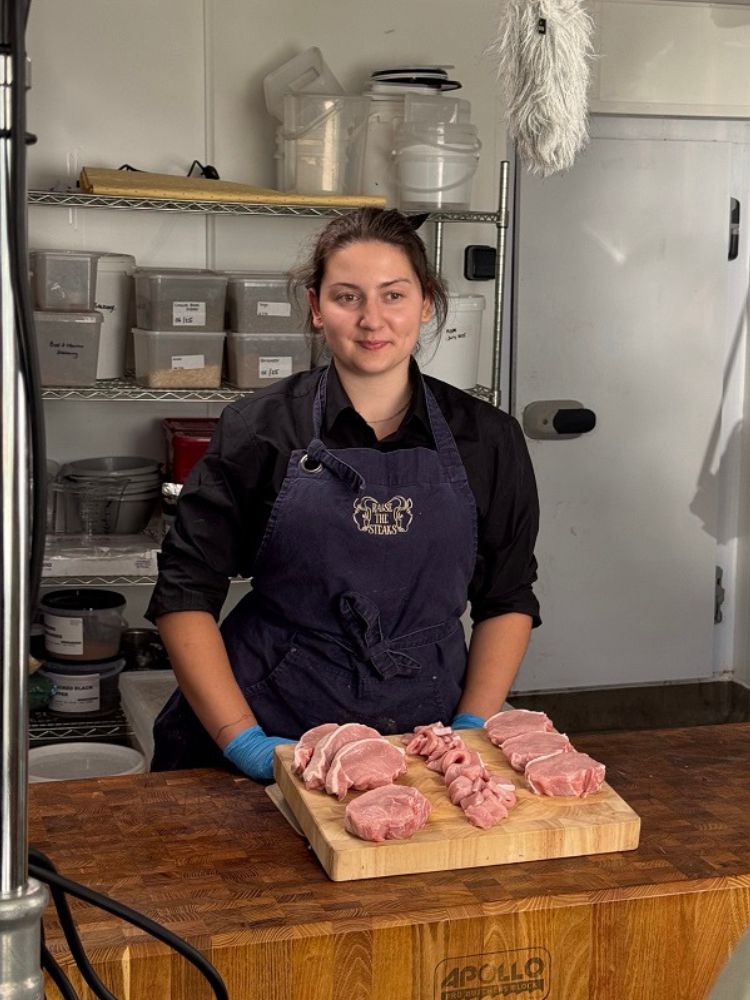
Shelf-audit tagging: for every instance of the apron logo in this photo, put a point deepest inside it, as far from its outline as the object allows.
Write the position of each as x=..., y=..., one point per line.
x=392, y=517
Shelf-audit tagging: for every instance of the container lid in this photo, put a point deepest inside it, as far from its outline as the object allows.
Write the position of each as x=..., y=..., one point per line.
x=115, y=261
x=185, y=273
x=66, y=761
x=72, y=317
x=186, y=336
x=81, y=254
x=81, y=599
x=118, y=466
x=259, y=335
x=258, y=279
x=113, y=665
x=466, y=303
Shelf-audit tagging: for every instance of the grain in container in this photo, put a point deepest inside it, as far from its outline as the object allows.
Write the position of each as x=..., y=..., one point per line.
x=455, y=357
x=68, y=347
x=64, y=280
x=180, y=299
x=115, y=301
x=261, y=303
x=83, y=624
x=258, y=359
x=168, y=360
x=84, y=689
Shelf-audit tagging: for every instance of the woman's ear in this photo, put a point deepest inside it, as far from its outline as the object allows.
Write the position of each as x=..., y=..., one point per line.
x=312, y=301
x=427, y=309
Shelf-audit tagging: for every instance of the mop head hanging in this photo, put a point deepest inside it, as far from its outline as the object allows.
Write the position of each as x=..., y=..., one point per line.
x=543, y=48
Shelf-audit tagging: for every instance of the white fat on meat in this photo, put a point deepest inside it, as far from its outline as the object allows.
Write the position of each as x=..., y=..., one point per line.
x=307, y=743
x=364, y=764
x=521, y=750
x=392, y=812
x=314, y=775
x=503, y=725
x=566, y=774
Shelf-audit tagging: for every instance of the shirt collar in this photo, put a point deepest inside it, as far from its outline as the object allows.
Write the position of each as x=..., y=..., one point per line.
x=338, y=403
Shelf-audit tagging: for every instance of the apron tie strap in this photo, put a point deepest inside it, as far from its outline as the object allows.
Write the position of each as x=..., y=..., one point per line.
x=361, y=619
x=317, y=452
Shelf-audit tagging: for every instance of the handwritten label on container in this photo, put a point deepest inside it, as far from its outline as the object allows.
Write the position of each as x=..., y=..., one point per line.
x=63, y=635
x=188, y=360
x=274, y=309
x=188, y=314
x=274, y=367
x=75, y=694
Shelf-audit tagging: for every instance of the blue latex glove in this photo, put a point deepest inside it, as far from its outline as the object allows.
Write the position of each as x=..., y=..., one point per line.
x=465, y=720
x=251, y=752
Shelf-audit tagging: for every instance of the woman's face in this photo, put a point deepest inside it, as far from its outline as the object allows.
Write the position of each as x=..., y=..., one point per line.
x=370, y=307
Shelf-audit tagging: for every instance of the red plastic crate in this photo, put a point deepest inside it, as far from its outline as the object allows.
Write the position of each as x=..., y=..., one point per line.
x=187, y=441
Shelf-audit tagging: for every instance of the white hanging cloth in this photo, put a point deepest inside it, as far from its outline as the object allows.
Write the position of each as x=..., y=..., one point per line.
x=544, y=48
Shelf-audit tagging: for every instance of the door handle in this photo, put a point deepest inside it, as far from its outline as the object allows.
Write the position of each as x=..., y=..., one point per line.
x=548, y=419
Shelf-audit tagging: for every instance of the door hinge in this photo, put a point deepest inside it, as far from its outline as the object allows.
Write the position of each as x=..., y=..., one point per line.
x=719, y=596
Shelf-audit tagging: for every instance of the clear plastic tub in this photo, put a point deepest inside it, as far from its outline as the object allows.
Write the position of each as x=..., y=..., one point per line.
x=64, y=280
x=258, y=359
x=435, y=165
x=68, y=347
x=179, y=299
x=84, y=624
x=455, y=357
x=168, y=360
x=84, y=689
x=71, y=761
x=260, y=303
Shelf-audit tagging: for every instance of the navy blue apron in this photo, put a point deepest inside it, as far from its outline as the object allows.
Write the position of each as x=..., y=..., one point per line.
x=358, y=589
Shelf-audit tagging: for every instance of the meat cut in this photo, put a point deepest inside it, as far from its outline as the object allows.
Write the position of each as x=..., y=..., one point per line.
x=363, y=764
x=392, y=812
x=521, y=750
x=565, y=774
x=308, y=741
x=314, y=775
x=503, y=725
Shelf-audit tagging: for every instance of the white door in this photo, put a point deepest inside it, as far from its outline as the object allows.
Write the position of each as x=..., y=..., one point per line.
x=621, y=277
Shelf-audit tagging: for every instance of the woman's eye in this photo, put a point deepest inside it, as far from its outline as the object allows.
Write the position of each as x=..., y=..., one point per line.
x=395, y=296
x=346, y=297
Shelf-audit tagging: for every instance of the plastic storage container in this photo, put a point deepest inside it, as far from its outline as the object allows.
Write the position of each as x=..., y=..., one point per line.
x=115, y=300
x=258, y=359
x=64, y=280
x=306, y=73
x=187, y=441
x=260, y=303
x=84, y=689
x=83, y=624
x=179, y=299
x=456, y=356
x=68, y=347
x=435, y=165
x=318, y=143
x=70, y=761
x=168, y=360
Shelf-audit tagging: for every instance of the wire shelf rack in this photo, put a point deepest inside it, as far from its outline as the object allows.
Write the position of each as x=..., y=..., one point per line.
x=46, y=727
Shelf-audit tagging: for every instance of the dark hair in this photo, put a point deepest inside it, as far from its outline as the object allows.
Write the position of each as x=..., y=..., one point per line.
x=376, y=225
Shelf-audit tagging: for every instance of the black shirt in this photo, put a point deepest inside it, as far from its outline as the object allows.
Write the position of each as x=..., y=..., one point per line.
x=226, y=502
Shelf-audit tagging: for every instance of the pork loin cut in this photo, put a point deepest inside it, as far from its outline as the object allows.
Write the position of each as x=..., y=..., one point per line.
x=393, y=812
x=364, y=764
x=315, y=773
x=565, y=774
x=307, y=743
x=520, y=750
x=503, y=725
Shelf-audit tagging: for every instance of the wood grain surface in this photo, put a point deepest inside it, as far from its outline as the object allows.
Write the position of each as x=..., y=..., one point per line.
x=208, y=855
x=538, y=827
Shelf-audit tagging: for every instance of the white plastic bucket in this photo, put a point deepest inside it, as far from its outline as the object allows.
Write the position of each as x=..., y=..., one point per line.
x=70, y=761
x=435, y=165
x=114, y=298
x=456, y=357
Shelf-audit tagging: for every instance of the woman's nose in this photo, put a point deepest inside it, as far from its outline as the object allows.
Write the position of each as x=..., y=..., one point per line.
x=370, y=315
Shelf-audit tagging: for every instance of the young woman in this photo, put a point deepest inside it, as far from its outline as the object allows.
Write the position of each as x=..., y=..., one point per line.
x=368, y=504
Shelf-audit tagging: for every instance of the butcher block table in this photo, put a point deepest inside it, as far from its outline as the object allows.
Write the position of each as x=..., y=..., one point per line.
x=209, y=856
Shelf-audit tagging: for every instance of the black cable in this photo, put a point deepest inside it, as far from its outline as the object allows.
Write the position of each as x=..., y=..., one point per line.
x=28, y=359
x=58, y=977
x=44, y=870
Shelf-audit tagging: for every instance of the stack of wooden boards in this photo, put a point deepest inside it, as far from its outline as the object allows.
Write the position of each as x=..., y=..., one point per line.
x=538, y=827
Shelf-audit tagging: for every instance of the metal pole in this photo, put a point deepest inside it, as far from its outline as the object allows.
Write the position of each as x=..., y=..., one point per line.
x=438, y=246
x=500, y=247
x=21, y=900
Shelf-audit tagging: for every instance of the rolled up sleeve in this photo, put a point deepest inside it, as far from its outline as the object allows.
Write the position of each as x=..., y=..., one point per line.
x=207, y=545
x=507, y=530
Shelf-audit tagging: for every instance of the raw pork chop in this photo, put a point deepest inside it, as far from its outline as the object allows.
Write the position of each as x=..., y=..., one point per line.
x=315, y=773
x=503, y=725
x=520, y=750
x=307, y=743
x=363, y=764
x=565, y=774
x=393, y=812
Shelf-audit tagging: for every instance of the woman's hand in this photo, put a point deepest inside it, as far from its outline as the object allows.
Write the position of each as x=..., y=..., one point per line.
x=251, y=752
x=465, y=720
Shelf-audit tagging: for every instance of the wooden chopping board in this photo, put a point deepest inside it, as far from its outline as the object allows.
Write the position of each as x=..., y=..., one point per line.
x=537, y=827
